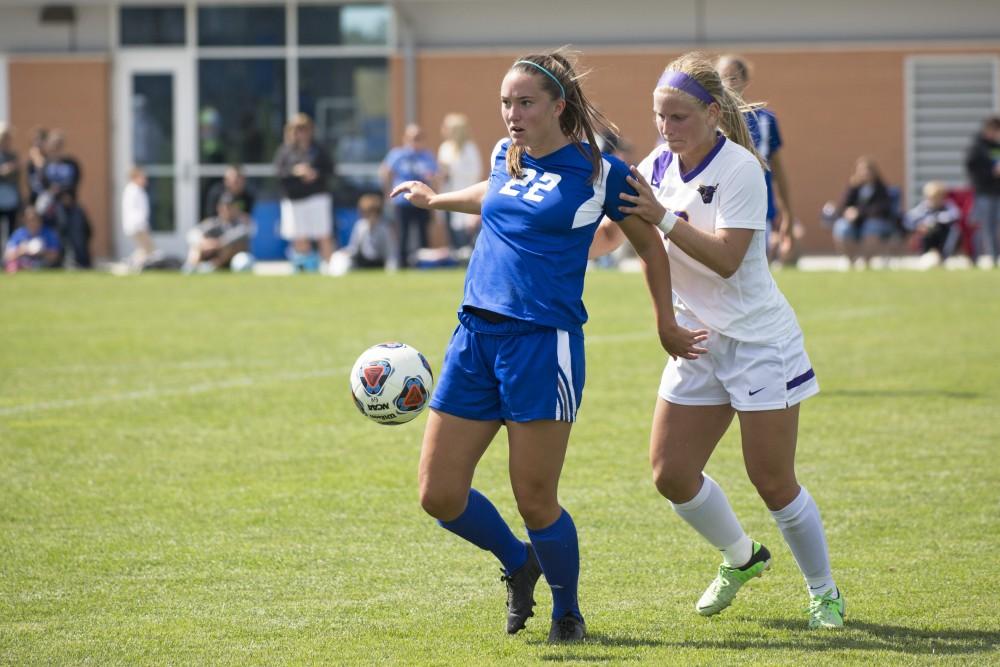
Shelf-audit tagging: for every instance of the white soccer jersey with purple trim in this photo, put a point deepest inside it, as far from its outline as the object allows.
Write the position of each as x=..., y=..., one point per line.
x=725, y=191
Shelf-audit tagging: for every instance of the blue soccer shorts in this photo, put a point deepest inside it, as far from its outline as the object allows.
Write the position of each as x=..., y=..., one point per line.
x=512, y=370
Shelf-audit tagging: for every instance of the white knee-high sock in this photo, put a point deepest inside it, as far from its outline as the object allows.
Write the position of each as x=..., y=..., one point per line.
x=710, y=514
x=802, y=528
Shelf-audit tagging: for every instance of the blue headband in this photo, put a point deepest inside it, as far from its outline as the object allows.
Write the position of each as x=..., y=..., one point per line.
x=546, y=72
x=685, y=83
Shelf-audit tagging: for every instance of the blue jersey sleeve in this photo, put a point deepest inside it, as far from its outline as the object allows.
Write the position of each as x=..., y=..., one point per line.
x=500, y=149
x=775, y=134
x=615, y=185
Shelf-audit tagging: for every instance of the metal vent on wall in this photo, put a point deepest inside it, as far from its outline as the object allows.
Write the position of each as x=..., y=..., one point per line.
x=947, y=99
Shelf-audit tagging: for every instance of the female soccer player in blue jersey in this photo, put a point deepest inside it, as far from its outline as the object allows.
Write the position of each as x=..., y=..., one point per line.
x=516, y=357
x=705, y=190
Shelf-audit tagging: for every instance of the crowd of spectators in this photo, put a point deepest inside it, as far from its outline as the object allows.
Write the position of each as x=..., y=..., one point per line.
x=43, y=224
x=53, y=178
x=869, y=220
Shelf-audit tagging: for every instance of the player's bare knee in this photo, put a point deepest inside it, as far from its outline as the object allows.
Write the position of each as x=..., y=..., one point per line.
x=538, y=511
x=444, y=505
x=776, y=492
x=673, y=484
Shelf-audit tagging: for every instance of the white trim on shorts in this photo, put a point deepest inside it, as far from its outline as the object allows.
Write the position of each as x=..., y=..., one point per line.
x=566, y=402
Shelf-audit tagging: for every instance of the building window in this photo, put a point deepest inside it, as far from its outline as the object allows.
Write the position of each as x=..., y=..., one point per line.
x=153, y=119
x=241, y=109
x=152, y=26
x=254, y=25
x=947, y=99
x=348, y=100
x=323, y=25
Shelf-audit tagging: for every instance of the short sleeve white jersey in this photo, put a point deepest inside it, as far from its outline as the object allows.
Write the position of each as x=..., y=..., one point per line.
x=725, y=191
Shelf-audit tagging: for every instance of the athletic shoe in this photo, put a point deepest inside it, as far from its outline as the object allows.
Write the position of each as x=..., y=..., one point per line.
x=520, y=592
x=826, y=611
x=569, y=628
x=723, y=589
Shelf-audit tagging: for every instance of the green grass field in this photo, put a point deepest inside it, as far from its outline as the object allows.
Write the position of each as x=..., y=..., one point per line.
x=186, y=481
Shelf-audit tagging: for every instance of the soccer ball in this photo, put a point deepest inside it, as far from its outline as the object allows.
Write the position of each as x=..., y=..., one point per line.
x=391, y=383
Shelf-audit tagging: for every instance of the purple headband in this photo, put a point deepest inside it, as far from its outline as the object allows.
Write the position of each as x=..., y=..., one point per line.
x=682, y=81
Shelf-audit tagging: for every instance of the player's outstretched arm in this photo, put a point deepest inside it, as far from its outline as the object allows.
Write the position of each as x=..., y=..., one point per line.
x=675, y=339
x=721, y=251
x=466, y=200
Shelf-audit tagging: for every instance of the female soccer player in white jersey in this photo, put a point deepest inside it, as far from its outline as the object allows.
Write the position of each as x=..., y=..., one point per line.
x=516, y=357
x=705, y=189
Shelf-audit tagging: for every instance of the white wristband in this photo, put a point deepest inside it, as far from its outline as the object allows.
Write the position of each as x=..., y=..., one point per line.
x=667, y=222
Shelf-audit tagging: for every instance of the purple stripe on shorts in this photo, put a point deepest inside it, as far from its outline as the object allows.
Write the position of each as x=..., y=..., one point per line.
x=805, y=377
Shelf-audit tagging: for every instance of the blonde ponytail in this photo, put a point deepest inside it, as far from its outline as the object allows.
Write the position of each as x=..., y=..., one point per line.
x=731, y=105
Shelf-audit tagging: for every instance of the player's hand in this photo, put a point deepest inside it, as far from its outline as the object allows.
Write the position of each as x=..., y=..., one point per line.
x=681, y=342
x=417, y=193
x=645, y=205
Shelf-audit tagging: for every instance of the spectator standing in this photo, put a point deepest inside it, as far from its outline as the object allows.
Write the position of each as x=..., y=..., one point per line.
x=864, y=217
x=304, y=169
x=409, y=162
x=36, y=163
x=983, y=165
x=235, y=184
x=460, y=165
x=61, y=176
x=10, y=191
x=135, y=217
x=32, y=246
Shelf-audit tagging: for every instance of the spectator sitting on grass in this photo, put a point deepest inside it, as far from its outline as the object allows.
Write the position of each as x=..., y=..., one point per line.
x=372, y=244
x=32, y=246
x=215, y=241
x=932, y=221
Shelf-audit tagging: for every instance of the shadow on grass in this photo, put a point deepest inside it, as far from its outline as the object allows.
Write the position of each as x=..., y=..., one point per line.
x=860, y=635
x=901, y=393
x=582, y=652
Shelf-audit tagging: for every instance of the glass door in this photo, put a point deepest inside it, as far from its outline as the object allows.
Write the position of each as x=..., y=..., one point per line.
x=155, y=112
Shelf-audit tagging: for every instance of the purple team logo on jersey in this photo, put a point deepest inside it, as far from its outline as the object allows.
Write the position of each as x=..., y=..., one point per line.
x=683, y=215
x=373, y=376
x=707, y=192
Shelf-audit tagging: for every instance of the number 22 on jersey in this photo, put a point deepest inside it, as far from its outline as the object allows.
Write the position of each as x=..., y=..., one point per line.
x=545, y=183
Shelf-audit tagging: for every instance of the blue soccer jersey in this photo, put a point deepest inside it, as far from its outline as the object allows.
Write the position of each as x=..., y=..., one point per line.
x=763, y=126
x=531, y=255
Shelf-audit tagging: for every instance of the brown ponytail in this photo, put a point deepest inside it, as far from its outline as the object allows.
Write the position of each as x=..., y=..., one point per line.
x=579, y=120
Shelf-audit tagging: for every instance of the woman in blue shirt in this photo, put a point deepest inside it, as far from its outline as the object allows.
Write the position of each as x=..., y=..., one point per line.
x=516, y=358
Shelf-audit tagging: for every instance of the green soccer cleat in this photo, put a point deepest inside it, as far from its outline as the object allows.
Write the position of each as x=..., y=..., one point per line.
x=825, y=611
x=723, y=589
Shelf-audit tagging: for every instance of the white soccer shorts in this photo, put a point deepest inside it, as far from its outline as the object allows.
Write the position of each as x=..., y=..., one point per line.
x=748, y=376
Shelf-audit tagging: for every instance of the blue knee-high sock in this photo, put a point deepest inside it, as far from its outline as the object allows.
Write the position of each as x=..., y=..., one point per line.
x=482, y=525
x=559, y=555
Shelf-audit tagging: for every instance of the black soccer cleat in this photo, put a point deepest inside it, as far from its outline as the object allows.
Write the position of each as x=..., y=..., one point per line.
x=520, y=592
x=569, y=628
